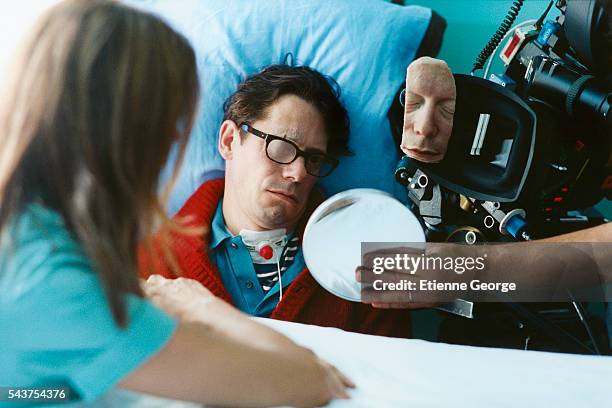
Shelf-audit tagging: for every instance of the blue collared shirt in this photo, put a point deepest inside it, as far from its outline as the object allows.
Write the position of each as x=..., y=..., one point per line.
x=238, y=274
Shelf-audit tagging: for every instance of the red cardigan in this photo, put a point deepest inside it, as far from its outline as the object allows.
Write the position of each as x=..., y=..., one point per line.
x=304, y=301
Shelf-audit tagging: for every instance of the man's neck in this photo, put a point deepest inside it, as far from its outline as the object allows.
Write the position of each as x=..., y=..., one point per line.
x=236, y=220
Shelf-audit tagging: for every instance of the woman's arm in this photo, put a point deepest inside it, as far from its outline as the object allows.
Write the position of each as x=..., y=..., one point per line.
x=189, y=300
x=219, y=356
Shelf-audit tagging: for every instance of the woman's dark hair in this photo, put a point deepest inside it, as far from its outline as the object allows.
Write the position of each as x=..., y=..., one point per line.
x=99, y=94
x=258, y=92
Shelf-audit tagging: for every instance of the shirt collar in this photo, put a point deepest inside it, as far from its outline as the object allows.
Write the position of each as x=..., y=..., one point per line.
x=219, y=232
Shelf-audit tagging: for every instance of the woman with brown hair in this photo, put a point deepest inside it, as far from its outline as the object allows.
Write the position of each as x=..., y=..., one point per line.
x=98, y=96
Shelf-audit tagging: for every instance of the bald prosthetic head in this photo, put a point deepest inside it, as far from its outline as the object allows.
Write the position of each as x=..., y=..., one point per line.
x=428, y=113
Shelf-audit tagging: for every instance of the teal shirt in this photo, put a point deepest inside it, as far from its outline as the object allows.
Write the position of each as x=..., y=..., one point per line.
x=238, y=274
x=56, y=328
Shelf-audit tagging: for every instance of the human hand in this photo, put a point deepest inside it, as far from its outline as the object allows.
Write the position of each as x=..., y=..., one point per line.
x=378, y=301
x=413, y=278
x=181, y=297
x=324, y=382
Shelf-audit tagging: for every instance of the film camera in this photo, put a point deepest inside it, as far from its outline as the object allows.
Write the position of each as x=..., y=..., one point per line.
x=529, y=147
x=530, y=144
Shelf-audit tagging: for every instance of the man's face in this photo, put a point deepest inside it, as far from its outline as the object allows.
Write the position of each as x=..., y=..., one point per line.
x=429, y=109
x=274, y=195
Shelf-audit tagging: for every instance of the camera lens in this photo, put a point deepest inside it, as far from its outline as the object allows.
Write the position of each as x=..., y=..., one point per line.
x=578, y=95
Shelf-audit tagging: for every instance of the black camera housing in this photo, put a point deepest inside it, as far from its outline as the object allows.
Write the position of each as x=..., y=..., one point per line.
x=547, y=148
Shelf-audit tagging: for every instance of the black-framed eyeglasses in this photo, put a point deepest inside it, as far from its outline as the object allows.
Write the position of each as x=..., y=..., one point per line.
x=283, y=151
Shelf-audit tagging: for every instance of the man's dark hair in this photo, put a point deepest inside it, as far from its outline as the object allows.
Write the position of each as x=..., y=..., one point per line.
x=258, y=92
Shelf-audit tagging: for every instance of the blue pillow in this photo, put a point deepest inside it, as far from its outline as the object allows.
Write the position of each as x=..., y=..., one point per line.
x=365, y=45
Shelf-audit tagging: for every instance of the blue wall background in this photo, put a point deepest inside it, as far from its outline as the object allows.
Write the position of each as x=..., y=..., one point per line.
x=470, y=24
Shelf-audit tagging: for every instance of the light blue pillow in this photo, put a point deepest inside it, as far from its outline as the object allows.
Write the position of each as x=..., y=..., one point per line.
x=365, y=45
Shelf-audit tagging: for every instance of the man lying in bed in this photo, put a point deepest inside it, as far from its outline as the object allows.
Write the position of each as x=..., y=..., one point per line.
x=283, y=129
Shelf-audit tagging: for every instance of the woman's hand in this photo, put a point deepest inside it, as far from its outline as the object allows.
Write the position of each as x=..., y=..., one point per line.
x=182, y=298
x=328, y=383
x=297, y=376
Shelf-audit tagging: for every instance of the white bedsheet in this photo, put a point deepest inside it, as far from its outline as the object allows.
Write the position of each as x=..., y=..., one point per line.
x=416, y=373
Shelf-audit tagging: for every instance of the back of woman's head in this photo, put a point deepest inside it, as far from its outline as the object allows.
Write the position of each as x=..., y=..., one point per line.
x=98, y=95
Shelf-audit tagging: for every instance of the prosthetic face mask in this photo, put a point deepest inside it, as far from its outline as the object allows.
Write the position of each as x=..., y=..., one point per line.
x=429, y=108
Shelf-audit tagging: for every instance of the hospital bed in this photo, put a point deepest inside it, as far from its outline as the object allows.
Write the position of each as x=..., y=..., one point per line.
x=415, y=373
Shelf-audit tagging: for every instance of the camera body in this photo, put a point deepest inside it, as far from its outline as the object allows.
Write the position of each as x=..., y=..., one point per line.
x=563, y=71
x=529, y=145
